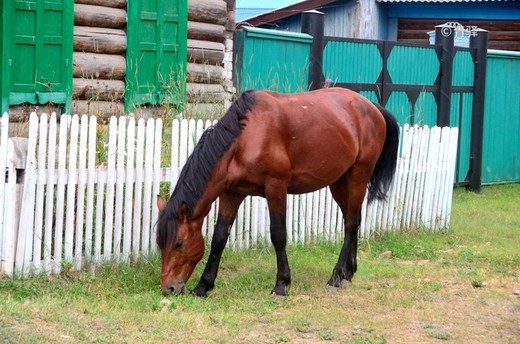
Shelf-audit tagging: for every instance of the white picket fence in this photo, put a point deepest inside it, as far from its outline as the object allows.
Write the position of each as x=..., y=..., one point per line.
x=72, y=210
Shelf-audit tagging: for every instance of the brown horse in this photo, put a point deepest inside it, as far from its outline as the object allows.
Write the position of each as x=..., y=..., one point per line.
x=271, y=145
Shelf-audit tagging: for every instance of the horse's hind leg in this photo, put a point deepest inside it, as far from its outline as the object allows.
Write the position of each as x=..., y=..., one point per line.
x=228, y=208
x=276, y=199
x=349, y=192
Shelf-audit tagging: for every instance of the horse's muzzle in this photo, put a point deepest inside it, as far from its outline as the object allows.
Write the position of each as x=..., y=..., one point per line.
x=174, y=289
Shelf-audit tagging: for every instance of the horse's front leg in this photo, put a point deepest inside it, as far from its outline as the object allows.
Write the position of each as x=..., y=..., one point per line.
x=228, y=208
x=279, y=240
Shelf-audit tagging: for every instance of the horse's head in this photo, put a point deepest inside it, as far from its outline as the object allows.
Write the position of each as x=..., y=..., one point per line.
x=180, y=251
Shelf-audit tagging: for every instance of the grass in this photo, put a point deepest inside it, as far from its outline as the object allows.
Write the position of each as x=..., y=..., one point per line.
x=453, y=286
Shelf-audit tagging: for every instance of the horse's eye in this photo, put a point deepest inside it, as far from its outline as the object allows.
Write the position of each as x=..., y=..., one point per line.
x=179, y=244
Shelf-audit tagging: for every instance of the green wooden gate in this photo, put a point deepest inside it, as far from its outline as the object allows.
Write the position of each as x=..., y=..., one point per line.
x=157, y=52
x=36, y=52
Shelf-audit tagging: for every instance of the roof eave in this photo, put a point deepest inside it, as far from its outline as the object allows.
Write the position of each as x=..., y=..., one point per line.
x=283, y=12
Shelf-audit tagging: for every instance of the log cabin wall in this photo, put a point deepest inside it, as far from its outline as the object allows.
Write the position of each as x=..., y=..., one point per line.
x=100, y=49
x=211, y=25
x=99, y=56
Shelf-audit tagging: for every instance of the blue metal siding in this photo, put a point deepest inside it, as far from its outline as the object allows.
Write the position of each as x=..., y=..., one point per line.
x=487, y=10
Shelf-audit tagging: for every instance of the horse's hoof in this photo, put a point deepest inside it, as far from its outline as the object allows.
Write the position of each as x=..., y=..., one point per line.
x=332, y=289
x=276, y=296
x=345, y=283
x=199, y=293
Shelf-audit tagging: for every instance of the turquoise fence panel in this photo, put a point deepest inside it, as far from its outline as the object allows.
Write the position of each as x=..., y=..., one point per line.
x=501, y=146
x=399, y=104
x=274, y=60
x=463, y=68
x=413, y=65
x=371, y=95
x=425, y=110
x=461, y=114
x=352, y=61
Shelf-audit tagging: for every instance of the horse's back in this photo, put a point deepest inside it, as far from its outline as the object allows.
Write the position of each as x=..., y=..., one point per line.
x=308, y=139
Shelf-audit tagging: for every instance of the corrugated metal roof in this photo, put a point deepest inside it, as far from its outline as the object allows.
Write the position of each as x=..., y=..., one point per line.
x=444, y=1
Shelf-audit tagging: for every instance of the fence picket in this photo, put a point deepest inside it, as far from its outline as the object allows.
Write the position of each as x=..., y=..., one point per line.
x=434, y=143
x=129, y=188
x=4, y=131
x=91, y=176
x=156, y=177
x=71, y=190
x=40, y=194
x=26, y=230
x=50, y=192
x=147, y=194
x=454, y=135
x=138, y=188
x=120, y=185
x=80, y=201
x=10, y=222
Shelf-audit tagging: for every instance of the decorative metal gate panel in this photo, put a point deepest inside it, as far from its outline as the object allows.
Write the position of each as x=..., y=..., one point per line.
x=405, y=78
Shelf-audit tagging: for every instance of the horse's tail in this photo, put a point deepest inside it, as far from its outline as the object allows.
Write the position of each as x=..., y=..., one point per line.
x=387, y=162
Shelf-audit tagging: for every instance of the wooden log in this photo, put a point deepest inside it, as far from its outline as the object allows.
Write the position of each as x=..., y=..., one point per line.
x=102, y=109
x=206, y=74
x=206, y=93
x=99, y=66
x=203, y=56
x=21, y=113
x=97, y=89
x=197, y=44
x=205, y=52
x=106, y=3
x=206, y=31
x=207, y=11
x=99, y=40
x=99, y=16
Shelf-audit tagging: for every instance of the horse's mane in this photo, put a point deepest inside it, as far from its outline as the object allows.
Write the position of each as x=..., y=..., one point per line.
x=214, y=142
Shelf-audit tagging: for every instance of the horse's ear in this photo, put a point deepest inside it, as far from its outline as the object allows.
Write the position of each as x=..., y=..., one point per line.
x=161, y=203
x=183, y=213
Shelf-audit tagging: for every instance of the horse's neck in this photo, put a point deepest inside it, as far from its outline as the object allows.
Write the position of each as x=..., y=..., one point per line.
x=215, y=187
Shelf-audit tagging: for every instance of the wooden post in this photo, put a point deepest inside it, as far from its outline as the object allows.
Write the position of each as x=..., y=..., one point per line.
x=444, y=35
x=479, y=41
x=313, y=24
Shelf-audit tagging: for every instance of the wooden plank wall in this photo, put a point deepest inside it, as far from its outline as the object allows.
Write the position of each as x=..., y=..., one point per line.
x=503, y=34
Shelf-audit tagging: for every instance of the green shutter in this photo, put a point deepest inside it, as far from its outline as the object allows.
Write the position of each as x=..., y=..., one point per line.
x=40, y=56
x=156, y=55
x=4, y=57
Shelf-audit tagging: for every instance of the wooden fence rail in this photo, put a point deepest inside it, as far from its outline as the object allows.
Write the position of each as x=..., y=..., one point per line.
x=83, y=201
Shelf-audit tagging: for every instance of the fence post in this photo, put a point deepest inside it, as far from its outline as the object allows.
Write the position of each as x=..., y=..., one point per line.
x=444, y=36
x=313, y=24
x=478, y=40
